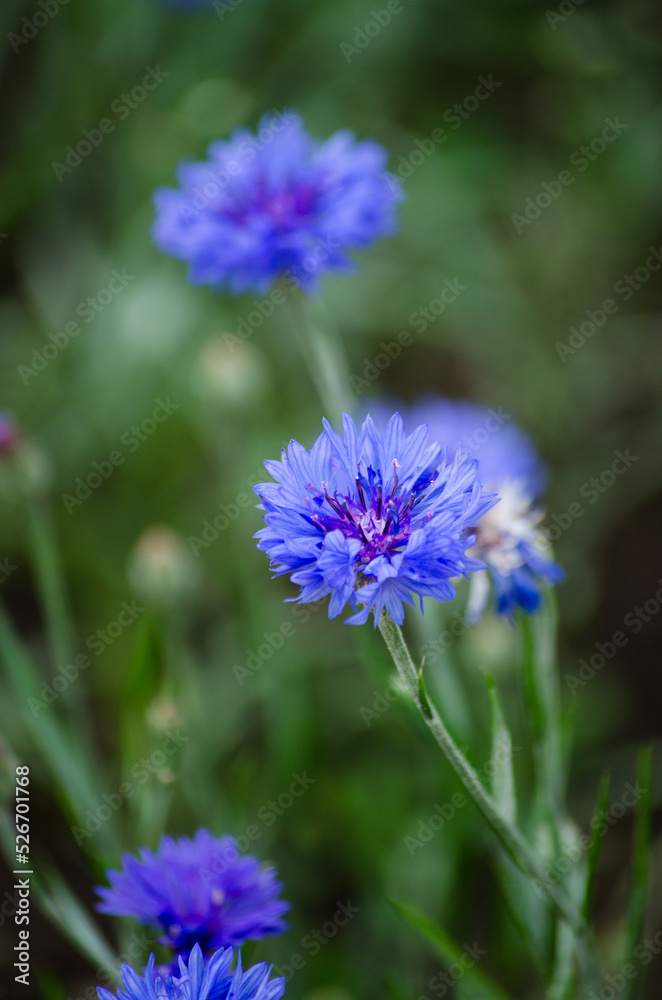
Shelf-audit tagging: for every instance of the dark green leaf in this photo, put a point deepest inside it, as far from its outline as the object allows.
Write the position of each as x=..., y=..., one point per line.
x=599, y=828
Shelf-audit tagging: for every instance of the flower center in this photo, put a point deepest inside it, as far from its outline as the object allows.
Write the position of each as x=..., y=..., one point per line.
x=284, y=209
x=380, y=520
x=182, y=936
x=503, y=529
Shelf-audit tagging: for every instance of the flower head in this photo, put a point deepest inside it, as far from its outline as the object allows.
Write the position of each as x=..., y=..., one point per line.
x=509, y=539
x=196, y=980
x=197, y=890
x=371, y=518
x=276, y=205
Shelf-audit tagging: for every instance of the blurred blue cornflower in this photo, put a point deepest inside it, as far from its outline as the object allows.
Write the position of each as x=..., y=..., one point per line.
x=197, y=891
x=509, y=539
x=371, y=518
x=276, y=205
x=196, y=980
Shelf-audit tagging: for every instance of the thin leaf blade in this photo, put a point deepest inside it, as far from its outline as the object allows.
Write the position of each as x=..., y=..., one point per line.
x=640, y=858
x=599, y=827
x=503, y=777
x=447, y=949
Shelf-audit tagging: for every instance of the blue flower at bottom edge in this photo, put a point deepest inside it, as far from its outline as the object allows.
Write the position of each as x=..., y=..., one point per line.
x=509, y=539
x=276, y=205
x=197, y=891
x=372, y=519
x=199, y=980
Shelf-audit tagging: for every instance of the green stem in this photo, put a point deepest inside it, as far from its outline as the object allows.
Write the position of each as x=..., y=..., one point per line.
x=49, y=579
x=324, y=357
x=52, y=593
x=510, y=837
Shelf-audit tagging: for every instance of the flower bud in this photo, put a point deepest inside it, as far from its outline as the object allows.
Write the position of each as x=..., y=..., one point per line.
x=163, y=713
x=161, y=567
x=231, y=376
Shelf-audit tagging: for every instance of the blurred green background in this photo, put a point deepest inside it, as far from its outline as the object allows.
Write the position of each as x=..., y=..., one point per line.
x=527, y=283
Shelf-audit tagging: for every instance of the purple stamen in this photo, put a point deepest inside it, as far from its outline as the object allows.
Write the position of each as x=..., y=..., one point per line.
x=359, y=490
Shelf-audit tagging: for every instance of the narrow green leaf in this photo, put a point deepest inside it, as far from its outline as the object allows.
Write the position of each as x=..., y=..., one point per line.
x=599, y=827
x=447, y=949
x=55, y=899
x=563, y=978
x=53, y=600
x=529, y=912
x=640, y=858
x=541, y=689
x=49, y=579
x=503, y=778
x=71, y=769
x=41, y=721
x=75, y=923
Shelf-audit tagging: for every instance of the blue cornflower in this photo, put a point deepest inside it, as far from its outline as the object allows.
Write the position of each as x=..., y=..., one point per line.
x=509, y=539
x=197, y=890
x=371, y=519
x=197, y=980
x=276, y=205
